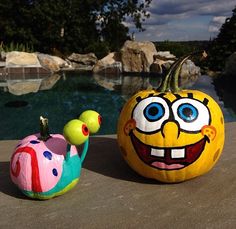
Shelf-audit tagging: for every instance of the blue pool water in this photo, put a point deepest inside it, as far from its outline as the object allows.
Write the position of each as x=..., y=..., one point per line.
x=74, y=93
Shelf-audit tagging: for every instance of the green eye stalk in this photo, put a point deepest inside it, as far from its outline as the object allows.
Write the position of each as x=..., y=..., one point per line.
x=77, y=131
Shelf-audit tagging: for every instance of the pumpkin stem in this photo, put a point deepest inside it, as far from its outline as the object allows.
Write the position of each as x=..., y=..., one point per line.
x=165, y=85
x=171, y=80
x=44, y=131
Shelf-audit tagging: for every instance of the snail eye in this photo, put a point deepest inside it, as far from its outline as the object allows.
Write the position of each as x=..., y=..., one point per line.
x=85, y=130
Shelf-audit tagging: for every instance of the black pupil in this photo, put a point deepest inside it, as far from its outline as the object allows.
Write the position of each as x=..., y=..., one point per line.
x=153, y=111
x=187, y=112
x=85, y=129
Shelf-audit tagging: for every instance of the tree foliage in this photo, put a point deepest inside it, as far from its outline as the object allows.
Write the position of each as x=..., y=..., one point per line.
x=224, y=45
x=70, y=25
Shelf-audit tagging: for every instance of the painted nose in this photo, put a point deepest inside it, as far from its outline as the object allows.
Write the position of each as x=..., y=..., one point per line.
x=170, y=131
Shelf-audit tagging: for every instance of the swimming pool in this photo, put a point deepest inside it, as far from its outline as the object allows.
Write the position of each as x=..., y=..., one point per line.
x=75, y=92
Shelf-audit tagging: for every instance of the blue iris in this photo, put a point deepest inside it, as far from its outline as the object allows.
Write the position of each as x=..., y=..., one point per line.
x=187, y=112
x=154, y=111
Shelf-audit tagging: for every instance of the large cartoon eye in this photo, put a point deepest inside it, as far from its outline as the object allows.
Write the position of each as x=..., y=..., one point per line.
x=154, y=111
x=150, y=113
x=191, y=114
x=187, y=112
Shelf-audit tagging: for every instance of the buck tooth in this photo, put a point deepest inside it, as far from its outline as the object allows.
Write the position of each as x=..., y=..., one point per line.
x=177, y=153
x=158, y=152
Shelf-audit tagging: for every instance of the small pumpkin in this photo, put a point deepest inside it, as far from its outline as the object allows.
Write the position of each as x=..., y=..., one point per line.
x=44, y=165
x=170, y=134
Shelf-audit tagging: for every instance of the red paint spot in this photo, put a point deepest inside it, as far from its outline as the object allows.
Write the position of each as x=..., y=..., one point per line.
x=99, y=119
x=130, y=125
x=36, y=186
x=85, y=130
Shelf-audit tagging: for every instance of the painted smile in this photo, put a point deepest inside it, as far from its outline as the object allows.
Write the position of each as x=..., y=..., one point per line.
x=168, y=158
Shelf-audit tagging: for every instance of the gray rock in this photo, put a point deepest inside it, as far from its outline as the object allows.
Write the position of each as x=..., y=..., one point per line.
x=160, y=66
x=48, y=62
x=165, y=55
x=88, y=59
x=22, y=59
x=137, y=56
x=110, y=64
x=189, y=69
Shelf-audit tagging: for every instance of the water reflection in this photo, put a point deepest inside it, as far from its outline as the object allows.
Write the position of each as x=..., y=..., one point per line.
x=22, y=85
x=63, y=97
x=127, y=85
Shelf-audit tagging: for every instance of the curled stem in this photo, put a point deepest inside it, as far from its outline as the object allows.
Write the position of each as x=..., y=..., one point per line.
x=171, y=80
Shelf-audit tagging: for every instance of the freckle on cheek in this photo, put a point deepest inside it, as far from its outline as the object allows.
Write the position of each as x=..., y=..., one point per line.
x=216, y=155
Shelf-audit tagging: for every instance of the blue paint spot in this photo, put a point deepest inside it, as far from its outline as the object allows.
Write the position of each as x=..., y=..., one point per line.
x=34, y=142
x=54, y=172
x=48, y=155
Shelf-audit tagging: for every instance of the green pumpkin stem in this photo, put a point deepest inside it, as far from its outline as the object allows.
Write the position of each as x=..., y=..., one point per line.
x=165, y=85
x=171, y=80
x=44, y=131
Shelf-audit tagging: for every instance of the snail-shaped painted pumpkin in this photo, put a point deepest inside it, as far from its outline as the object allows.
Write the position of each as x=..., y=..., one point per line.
x=169, y=134
x=44, y=165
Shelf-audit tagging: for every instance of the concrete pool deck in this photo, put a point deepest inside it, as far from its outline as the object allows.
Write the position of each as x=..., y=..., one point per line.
x=111, y=195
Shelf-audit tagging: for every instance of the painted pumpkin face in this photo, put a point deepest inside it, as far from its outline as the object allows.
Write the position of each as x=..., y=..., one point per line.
x=171, y=137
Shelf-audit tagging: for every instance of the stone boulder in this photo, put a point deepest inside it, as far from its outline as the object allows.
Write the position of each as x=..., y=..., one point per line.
x=83, y=61
x=61, y=62
x=165, y=55
x=137, y=56
x=158, y=66
x=48, y=62
x=162, y=62
x=22, y=59
x=110, y=64
x=230, y=65
x=189, y=69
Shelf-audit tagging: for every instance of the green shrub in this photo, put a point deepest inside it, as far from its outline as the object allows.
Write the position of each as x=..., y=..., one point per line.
x=16, y=47
x=180, y=48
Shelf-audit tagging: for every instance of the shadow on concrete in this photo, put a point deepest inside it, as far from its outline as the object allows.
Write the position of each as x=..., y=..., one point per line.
x=6, y=185
x=104, y=157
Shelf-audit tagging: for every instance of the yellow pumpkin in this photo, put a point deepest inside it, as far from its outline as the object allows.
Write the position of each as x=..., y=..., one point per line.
x=169, y=134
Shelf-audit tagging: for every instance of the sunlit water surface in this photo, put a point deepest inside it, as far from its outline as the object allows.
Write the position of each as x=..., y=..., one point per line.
x=74, y=93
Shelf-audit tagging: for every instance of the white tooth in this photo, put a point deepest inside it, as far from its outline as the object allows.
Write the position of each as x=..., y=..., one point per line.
x=177, y=153
x=158, y=152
